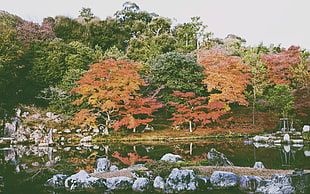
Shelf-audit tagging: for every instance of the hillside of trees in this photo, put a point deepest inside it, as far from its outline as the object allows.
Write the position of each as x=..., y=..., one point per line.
x=136, y=68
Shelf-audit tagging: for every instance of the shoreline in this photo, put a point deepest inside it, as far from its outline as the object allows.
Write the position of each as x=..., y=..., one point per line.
x=205, y=171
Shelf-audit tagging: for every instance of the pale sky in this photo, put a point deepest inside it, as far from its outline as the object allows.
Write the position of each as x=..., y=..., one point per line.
x=284, y=22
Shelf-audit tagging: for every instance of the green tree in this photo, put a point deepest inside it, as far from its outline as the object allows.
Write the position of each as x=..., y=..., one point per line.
x=86, y=14
x=175, y=72
x=54, y=60
x=191, y=35
x=69, y=29
x=280, y=99
x=108, y=33
x=58, y=97
x=259, y=75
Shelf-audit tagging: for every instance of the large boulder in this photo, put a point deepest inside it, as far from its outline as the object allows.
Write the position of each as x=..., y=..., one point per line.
x=181, y=181
x=159, y=184
x=102, y=165
x=142, y=185
x=119, y=183
x=249, y=183
x=172, y=158
x=217, y=158
x=278, y=184
x=224, y=180
x=57, y=181
x=83, y=181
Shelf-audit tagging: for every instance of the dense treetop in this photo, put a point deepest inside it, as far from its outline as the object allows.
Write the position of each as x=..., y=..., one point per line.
x=119, y=71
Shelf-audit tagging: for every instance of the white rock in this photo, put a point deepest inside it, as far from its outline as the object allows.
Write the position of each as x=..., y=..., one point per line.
x=259, y=165
x=172, y=158
x=298, y=141
x=260, y=138
x=286, y=138
x=306, y=128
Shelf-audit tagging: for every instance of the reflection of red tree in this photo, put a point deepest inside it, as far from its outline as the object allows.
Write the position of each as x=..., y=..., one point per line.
x=198, y=158
x=131, y=159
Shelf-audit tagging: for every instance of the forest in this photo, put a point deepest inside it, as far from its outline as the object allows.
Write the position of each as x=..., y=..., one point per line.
x=137, y=69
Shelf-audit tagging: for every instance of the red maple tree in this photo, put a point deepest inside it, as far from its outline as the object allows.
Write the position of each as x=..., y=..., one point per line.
x=110, y=90
x=226, y=78
x=191, y=110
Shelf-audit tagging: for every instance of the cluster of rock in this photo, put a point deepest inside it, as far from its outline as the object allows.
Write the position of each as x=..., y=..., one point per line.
x=180, y=180
x=287, y=137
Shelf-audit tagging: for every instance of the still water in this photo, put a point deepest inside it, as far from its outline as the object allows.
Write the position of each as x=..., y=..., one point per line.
x=24, y=169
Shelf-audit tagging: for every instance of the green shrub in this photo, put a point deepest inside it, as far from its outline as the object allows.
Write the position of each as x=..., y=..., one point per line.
x=196, y=170
x=306, y=135
x=161, y=168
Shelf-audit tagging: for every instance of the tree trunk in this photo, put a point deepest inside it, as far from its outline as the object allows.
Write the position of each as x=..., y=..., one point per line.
x=190, y=126
x=254, y=101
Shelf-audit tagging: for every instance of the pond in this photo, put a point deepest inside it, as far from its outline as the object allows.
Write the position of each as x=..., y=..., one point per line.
x=24, y=169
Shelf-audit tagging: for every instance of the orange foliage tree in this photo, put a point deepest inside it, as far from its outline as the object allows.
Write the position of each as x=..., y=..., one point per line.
x=110, y=91
x=192, y=110
x=287, y=67
x=226, y=78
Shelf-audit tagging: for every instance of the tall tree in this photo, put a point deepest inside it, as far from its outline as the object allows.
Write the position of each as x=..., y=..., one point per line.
x=259, y=75
x=283, y=64
x=175, y=72
x=191, y=35
x=110, y=89
x=226, y=78
x=192, y=110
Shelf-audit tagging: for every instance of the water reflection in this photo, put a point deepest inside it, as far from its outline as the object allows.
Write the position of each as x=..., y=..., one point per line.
x=39, y=163
x=287, y=156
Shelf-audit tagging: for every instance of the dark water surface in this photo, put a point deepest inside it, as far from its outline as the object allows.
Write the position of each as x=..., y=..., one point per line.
x=24, y=169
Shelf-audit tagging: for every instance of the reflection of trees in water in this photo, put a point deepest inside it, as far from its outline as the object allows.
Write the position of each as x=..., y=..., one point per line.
x=287, y=156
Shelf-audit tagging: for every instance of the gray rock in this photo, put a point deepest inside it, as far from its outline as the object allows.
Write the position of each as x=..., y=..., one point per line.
x=142, y=174
x=279, y=184
x=224, y=180
x=218, y=159
x=181, y=181
x=172, y=158
x=159, y=183
x=57, y=181
x=142, y=185
x=113, y=168
x=119, y=183
x=259, y=165
x=82, y=180
x=260, y=138
x=102, y=165
x=249, y=183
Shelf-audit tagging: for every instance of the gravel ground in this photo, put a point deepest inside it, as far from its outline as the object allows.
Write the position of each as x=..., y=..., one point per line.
x=206, y=171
